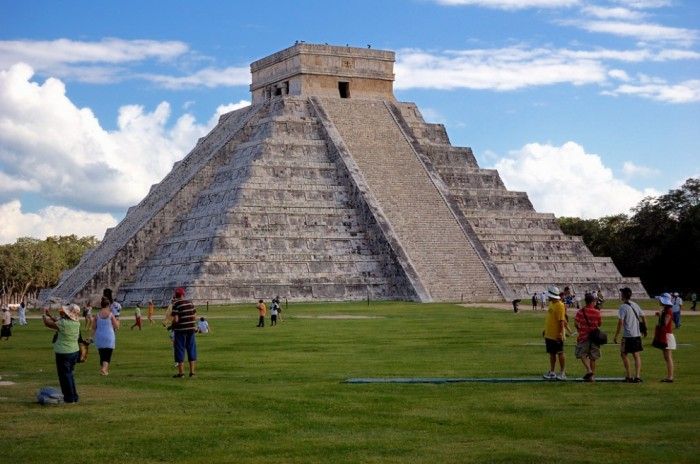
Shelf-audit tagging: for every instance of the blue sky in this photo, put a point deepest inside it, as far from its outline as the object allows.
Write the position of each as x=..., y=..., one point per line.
x=587, y=105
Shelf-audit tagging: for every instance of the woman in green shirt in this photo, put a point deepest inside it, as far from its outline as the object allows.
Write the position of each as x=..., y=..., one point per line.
x=66, y=347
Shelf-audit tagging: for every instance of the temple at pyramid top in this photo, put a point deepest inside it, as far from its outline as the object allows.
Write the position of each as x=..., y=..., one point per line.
x=328, y=188
x=324, y=71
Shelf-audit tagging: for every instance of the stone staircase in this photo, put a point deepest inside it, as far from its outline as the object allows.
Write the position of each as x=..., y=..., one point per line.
x=425, y=227
x=278, y=218
x=128, y=244
x=528, y=248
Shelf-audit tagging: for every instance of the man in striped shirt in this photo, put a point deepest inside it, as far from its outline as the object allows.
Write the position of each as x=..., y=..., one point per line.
x=184, y=327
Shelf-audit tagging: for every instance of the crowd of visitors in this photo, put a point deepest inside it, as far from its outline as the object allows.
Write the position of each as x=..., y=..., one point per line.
x=182, y=324
x=631, y=322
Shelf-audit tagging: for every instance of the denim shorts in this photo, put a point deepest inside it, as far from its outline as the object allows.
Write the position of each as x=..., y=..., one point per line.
x=185, y=342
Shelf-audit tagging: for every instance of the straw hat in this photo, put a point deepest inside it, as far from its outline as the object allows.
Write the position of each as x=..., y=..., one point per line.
x=72, y=311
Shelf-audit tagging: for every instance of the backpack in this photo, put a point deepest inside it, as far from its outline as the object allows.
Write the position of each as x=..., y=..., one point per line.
x=49, y=395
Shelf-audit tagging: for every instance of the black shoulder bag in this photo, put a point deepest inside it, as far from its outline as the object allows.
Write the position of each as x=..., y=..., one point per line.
x=596, y=336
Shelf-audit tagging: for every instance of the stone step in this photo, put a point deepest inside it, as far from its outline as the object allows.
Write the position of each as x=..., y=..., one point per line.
x=525, y=237
x=548, y=259
x=511, y=201
x=446, y=157
x=475, y=215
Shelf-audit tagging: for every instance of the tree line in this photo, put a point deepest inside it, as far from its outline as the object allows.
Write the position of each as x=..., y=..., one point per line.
x=659, y=242
x=30, y=264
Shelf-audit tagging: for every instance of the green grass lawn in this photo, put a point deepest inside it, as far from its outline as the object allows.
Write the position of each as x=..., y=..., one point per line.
x=277, y=395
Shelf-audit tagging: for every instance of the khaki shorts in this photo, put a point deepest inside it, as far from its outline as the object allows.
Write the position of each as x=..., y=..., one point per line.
x=587, y=349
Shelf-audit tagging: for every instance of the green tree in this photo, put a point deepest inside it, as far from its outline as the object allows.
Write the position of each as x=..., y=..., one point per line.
x=657, y=242
x=29, y=264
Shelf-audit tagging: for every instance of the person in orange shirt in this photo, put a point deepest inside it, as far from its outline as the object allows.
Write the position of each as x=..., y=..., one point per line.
x=262, y=310
x=151, y=310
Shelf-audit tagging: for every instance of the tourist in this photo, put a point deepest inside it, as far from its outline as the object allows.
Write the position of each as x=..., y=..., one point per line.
x=276, y=302
x=663, y=334
x=694, y=300
x=568, y=298
x=87, y=314
x=262, y=310
x=151, y=311
x=6, y=330
x=203, y=326
x=633, y=324
x=554, y=329
x=676, y=310
x=587, y=319
x=65, y=347
x=273, y=314
x=599, y=299
x=534, y=301
x=115, y=307
x=543, y=299
x=22, y=313
x=137, y=318
x=104, y=327
x=184, y=326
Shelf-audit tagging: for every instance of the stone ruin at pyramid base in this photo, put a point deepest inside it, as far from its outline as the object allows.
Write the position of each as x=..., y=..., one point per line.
x=327, y=188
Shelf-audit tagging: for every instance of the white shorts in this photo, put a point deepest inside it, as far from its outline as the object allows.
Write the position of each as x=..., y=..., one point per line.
x=670, y=342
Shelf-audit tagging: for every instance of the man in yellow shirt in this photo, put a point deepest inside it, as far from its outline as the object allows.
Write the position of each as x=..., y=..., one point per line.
x=554, y=329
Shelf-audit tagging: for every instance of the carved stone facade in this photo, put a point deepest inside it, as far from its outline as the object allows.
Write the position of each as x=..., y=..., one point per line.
x=327, y=188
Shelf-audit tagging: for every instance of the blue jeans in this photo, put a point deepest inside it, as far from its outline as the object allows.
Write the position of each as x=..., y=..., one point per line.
x=65, y=363
x=677, y=319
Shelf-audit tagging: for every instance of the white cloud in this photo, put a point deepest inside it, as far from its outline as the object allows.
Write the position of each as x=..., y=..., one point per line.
x=13, y=184
x=53, y=220
x=631, y=170
x=643, y=4
x=512, y=68
x=209, y=77
x=494, y=69
x=669, y=55
x=86, y=61
x=567, y=181
x=612, y=13
x=642, y=31
x=619, y=74
x=47, y=141
x=511, y=4
x=658, y=90
x=113, y=60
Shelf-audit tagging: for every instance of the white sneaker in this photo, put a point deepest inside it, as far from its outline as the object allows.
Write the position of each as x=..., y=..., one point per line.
x=561, y=376
x=550, y=375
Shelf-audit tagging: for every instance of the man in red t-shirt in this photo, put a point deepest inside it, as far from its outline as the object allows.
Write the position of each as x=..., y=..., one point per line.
x=587, y=319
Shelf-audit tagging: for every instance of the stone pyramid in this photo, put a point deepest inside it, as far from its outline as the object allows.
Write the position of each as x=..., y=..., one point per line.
x=327, y=188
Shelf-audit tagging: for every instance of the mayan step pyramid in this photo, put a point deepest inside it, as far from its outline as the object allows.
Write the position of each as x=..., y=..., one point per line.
x=327, y=188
